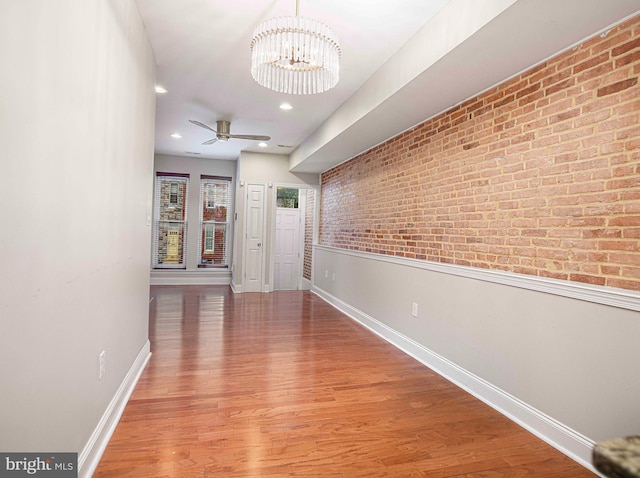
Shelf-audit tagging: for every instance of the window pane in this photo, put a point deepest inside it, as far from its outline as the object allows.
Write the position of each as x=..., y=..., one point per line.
x=208, y=238
x=171, y=241
x=287, y=197
x=172, y=200
x=214, y=251
x=215, y=202
x=170, y=205
x=174, y=190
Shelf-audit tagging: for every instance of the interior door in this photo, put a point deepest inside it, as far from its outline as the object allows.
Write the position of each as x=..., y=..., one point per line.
x=287, y=245
x=254, y=250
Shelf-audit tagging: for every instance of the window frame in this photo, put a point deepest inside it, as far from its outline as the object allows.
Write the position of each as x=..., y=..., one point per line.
x=163, y=226
x=210, y=227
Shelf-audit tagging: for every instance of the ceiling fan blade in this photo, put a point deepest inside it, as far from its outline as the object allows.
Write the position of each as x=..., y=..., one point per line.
x=202, y=125
x=211, y=141
x=250, y=136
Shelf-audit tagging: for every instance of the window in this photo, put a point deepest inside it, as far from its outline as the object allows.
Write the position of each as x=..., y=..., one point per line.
x=174, y=189
x=209, y=237
x=287, y=197
x=216, y=194
x=170, y=228
x=215, y=205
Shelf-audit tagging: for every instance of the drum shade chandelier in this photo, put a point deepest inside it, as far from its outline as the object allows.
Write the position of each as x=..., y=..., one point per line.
x=295, y=55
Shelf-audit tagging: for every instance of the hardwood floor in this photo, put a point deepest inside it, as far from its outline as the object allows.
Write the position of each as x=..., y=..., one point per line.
x=282, y=384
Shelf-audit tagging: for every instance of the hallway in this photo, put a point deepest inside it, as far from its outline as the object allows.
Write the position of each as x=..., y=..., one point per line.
x=282, y=384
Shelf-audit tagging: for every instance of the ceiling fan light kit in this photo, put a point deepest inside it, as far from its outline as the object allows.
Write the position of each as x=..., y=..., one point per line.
x=295, y=55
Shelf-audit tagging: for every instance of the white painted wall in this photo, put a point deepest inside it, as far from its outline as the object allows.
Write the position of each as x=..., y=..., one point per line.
x=76, y=138
x=195, y=167
x=564, y=367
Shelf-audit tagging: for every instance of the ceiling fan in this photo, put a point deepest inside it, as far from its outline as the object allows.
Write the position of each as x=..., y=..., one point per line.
x=223, y=132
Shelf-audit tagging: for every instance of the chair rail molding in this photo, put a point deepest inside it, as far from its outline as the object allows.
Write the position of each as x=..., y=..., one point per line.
x=622, y=298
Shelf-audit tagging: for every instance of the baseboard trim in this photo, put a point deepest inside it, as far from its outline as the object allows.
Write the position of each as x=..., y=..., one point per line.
x=170, y=277
x=558, y=435
x=90, y=456
x=305, y=284
x=237, y=289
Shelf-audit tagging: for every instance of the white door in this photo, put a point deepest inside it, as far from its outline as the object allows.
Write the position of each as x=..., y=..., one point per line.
x=287, y=255
x=253, y=257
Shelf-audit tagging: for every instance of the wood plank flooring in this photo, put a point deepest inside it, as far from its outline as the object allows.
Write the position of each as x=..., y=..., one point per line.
x=283, y=385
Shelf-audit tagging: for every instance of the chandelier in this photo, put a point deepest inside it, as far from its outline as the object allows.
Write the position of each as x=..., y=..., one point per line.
x=295, y=55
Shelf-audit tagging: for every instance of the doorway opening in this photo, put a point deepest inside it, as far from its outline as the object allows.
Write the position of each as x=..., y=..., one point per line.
x=293, y=242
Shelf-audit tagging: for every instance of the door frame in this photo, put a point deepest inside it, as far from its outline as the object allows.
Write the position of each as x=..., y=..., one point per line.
x=244, y=240
x=299, y=246
x=302, y=202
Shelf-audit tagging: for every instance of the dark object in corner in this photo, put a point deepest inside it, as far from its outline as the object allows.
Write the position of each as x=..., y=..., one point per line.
x=619, y=458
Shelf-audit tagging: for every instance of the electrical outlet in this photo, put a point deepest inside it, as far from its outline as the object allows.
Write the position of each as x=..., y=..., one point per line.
x=326, y=274
x=414, y=309
x=333, y=277
x=101, y=364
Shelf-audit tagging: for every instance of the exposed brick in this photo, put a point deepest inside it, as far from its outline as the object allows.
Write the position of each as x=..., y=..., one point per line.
x=587, y=279
x=611, y=39
x=624, y=258
x=595, y=74
x=631, y=45
x=617, y=87
x=510, y=180
x=628, y=59
x=608, y=270
x=621, y=283
x=591, y=62
x=565, y=115
x=625, y=221
x=632, y=246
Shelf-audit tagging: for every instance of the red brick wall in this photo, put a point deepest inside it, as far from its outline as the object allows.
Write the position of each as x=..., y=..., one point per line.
x=308, y=233
x=539, y=176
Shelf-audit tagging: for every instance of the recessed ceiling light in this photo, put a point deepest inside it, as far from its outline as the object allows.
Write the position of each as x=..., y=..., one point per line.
x=176, y=135
x=286, y=106
x=160, y=89
x=263, y=145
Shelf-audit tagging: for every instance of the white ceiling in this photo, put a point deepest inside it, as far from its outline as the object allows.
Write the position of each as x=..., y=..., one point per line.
x=402, y=62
